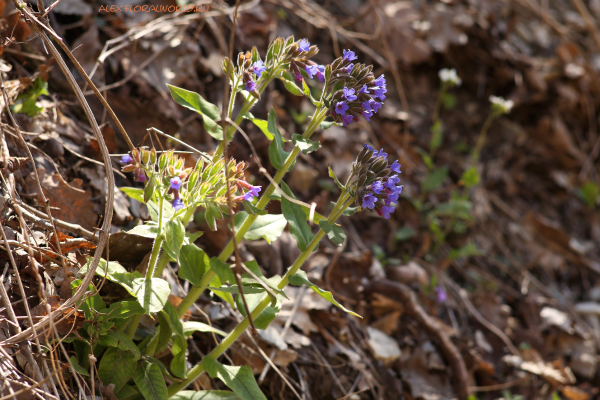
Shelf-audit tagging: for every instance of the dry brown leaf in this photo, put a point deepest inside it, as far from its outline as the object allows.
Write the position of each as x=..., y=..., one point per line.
x=71, y=205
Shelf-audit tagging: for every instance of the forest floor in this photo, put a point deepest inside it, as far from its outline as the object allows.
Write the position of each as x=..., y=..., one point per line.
x=504, y=274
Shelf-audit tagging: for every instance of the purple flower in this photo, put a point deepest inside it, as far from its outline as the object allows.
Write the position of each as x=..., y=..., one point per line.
x=311, y=70
x=258, y=68
x=364, y=89
x=349, y=94
x=349, y=68
x=298, y=76
x=386, y=210
x=379, y=92
x=367, y=115
x=381, y=153
x=366, y=146
x=304, y=45
x=347, y=119
x=380, y=81
x=250, y=86
x=442, y=296
x=367, y=105
x=375, y=105
x=396, y=167
x=139, y=175
x=252, y=193
x=349, y=55
x=321, y=73
x=126, y=159
x=177, y=204
x=391, y=182
x=392, y=197
x=341, y=107
x=377, y=187
x=369, y=201
x=175, y=183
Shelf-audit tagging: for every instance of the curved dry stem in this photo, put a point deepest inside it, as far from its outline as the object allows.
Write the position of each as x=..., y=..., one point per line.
x=108, y=211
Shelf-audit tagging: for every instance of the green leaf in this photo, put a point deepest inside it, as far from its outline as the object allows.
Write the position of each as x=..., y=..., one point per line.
x=205, y=395
x=147, y=231
x=266, y=316
x=239, y=379
x=216, y=282
x=151, y=293
x=195, y=102
x=134, y=193
x=449, y=101
x=124, y=309
x=292, y=87
x=191, y=237
x=263, y=126
x=153, y=210
x=174, y=235
x=299, y=228
x=334, y=232
x=27, y=102
x=268, y=226
x=165, y=330
x=438, y=135
x=306, y=146
x=467, y=250
x=150, y=381
x=589, y=193
x=404, y=233
x=126, y=392
x=193, y=262
x=426, y=158
x=178, y=363
x=189, y=327
x=174, y=318
x=470, y=177
x=115, y=273
x=116, y=366
x=223, y=271
x=335, y=178
x=276, y=153
x=78, y=368
x=300, y=278
x=434, y=179
x=328, y=124
x=121, y=341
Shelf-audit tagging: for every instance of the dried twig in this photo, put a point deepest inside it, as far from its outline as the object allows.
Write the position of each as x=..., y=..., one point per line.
x=407, y=297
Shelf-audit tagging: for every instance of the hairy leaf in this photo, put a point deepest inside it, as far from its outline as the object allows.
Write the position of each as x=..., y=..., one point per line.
x=116, y=366
x=150, y=381
x=195, y=102
x=193, y=262
x=151, y=293
x=239, y=379
x=334, y=232
x=276, y=153
x=300, y=278
x=121, y=341
x=306, y=146
x=189, y=327
x=174, y=236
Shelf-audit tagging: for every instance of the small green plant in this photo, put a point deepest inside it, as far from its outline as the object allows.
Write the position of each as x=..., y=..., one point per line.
x=28, y=102
x=217, y=185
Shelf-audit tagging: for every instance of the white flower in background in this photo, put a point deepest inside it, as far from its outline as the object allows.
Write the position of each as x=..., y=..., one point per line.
x=500, y=105
x=449, y=76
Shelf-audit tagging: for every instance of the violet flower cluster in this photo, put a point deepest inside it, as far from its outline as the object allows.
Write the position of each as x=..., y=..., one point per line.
x=377, y=181
x=182, y=186
x=360, y=94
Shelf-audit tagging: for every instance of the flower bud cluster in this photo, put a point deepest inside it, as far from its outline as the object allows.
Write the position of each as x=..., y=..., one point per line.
x=356, y=91
x=500, y=105
x=185, y=187
x=375, y=181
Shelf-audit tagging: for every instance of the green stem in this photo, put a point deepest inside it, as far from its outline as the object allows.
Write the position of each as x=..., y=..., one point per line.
x=241, y=327
x=481, y=138
x=248, y=103
x=196, y=291
x=151, y=265
x=438, y=103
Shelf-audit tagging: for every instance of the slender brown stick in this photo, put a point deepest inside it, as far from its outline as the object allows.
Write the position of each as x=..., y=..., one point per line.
x=453, y=357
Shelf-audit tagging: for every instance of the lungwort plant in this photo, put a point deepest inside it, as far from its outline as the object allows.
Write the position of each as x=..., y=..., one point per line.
x=125, y=353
